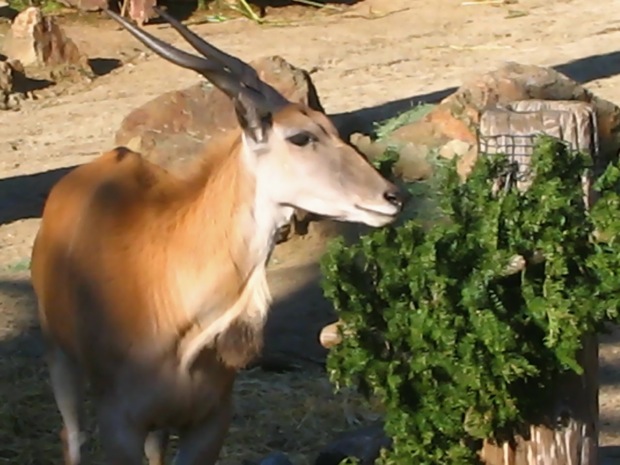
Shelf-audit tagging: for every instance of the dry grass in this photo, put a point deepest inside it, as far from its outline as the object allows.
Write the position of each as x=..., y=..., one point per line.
x=297, y=413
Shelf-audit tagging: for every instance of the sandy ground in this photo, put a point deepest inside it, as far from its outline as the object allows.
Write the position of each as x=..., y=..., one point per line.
x=369, y=60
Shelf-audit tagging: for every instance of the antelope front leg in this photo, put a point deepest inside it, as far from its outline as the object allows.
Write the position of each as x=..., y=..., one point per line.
x=122, y=441
x=124, y=6
x=202, y=444
x=67, y=386
x=155, y=447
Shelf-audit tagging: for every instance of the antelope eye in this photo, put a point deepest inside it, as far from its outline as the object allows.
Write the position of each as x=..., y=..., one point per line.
x=301, y=139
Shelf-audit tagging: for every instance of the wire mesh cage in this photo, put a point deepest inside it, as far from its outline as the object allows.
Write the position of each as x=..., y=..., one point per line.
x=514, y=130
x=518, y=149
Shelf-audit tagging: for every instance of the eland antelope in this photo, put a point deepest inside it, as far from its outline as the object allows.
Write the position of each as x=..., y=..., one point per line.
x=152, y=289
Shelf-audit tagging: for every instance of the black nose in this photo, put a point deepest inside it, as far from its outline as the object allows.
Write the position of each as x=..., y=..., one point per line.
x=396, y=197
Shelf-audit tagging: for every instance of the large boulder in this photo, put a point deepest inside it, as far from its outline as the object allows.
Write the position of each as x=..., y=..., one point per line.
x=7, y=76
x=451, y=128
x=12, y=84
x=86, y=5
x=173, y=129
x=37, y=40
x=139, y=11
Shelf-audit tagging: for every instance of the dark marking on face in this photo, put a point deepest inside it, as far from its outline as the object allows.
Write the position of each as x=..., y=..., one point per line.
x=322, y=128
x=121, y=153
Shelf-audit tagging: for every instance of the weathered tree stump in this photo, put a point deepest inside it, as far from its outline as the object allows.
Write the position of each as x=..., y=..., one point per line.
x=568, y=435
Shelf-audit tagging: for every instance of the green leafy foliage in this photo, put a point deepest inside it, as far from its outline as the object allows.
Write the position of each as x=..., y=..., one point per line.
x=384, y=128
x=47, y=6
x=456, y=348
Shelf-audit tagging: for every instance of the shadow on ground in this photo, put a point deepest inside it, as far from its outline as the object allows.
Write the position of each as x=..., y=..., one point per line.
x=18, y=307
x=291, y=333
x=609, y=372
x=364, y=119
x=23, y=196
x=25, y=84
x=610, y=455
x=591, y=68
x=103, y=66
x=184, y=9
x=583, y=70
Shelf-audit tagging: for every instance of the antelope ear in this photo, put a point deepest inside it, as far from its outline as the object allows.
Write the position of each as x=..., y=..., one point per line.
x=255, y=119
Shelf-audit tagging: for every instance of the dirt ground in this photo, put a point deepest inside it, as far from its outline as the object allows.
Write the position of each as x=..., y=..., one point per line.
x=368, y=61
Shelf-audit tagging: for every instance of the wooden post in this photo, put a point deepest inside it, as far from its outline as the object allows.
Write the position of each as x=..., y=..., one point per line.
x=570, y=435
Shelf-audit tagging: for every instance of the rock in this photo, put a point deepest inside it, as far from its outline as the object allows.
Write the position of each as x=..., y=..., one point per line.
x=412, y=164
x=422, y=132
x=138, y=10
x=35, y=39
x=372, y=150
x=12, y=80
x=6, y=77
x=173, y=129
x=365, y=444
x=7, y=11
x=455, y=148
x=141, y=10
x=85, y=5
x=276, y=458
x=6, y=86
x=451, y=128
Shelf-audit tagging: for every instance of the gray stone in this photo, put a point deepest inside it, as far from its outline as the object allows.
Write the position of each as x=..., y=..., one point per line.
x=276, y=458
x=365, y=444
x=12, y=79
x=37, y=40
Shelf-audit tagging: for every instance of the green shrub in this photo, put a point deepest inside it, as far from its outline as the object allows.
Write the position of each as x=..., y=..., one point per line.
x=454, y=348
x=46, y=6
x=415, y=113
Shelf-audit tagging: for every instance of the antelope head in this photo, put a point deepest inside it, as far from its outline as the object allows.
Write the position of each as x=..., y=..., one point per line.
x=295, y=153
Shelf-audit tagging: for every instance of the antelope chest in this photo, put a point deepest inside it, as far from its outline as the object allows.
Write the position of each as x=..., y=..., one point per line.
x=164, y=396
